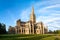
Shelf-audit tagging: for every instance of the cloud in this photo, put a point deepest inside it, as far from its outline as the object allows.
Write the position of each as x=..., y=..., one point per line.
x=24, y=15
x=49, y=9
x=45, y=11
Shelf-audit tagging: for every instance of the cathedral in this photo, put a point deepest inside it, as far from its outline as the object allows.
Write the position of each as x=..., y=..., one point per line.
x=29, y=27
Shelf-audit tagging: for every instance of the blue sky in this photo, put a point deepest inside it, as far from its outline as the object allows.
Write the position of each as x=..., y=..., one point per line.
x=47, y=11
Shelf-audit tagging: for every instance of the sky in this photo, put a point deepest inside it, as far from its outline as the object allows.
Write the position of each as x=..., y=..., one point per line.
x=47, y=11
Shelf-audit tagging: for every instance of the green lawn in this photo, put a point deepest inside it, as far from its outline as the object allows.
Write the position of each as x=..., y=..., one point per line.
x=29, y=37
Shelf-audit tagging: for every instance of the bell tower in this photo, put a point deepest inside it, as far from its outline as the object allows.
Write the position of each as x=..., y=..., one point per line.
x=32, y=16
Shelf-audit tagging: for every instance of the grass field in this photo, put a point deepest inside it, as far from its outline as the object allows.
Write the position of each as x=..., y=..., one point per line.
x=30, y=37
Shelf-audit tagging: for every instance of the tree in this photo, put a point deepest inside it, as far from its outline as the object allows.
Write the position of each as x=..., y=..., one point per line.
x=57, y=32
x=50, y=31
x=2, y=28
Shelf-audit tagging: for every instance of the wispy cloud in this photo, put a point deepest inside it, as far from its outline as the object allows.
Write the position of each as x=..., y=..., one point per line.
x=25, y=14
x=44, y=12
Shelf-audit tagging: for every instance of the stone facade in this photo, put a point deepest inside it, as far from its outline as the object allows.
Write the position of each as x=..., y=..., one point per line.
x=29, y=27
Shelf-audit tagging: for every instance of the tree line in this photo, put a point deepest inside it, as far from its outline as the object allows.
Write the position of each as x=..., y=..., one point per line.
x=2, y=28
x=54, y=32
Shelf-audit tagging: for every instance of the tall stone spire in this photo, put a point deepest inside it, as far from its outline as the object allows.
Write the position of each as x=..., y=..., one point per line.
x=32, y=16
x=32, y=10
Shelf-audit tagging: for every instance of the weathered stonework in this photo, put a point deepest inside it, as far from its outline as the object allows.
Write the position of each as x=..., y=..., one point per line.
x=29, y=27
